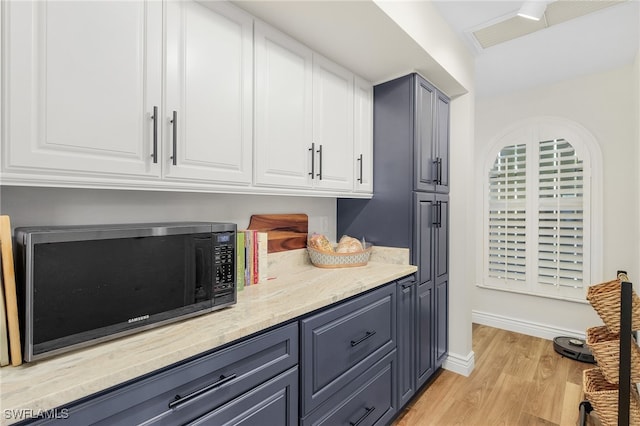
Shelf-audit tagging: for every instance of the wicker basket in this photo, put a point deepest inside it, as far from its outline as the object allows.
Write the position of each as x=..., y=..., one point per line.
x=604, y=398
x=339, y=260
x=605, y=299
x=606, y=349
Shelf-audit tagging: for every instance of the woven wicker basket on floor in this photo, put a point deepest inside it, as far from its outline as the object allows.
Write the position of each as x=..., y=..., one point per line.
x=604, y=398
x=605, y=299
x=606, y=349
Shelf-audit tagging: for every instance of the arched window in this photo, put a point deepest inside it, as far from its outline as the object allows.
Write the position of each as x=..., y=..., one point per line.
x=542, y=213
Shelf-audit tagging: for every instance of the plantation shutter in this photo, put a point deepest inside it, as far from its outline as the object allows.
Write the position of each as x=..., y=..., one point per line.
x=560, y=215
x=507, y=215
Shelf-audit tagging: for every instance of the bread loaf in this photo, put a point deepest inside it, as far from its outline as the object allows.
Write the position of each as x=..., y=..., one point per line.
x=320, y=242
x=349, y=244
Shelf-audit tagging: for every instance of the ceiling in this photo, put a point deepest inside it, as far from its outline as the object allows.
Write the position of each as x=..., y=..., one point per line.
x=604, y=39
x=356, y=34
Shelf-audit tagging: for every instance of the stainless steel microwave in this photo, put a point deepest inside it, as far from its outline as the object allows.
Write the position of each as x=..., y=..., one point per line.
x=80, y=285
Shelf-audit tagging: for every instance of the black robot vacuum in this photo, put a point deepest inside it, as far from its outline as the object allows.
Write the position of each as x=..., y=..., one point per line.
x=573, y=348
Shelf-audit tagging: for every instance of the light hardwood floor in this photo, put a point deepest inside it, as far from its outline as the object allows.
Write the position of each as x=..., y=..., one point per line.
x=517, y=380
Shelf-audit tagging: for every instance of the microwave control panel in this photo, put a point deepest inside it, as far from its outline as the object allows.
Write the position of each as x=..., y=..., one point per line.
x=224, y=252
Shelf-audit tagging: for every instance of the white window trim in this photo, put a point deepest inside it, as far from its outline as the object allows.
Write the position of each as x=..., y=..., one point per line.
x=587, y=149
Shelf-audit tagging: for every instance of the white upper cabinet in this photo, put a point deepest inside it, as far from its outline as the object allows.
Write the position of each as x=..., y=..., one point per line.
x=283, y=90
x=332, y=125
x=363, y=136
x=80, y=90
x=209, y=88
x=177, y=95
x=304, y=122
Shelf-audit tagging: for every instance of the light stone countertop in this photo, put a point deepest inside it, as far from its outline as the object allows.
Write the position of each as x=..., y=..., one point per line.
x=295, y=288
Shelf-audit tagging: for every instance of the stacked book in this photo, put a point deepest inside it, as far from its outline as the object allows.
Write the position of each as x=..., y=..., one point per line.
x=251, y=261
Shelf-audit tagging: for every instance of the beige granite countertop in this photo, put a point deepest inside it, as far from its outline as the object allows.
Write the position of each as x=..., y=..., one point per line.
x=295, y=288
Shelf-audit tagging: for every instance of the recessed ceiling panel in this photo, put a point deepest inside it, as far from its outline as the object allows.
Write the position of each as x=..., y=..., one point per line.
x=513, y=26
x=564, y=10
x=506, y=30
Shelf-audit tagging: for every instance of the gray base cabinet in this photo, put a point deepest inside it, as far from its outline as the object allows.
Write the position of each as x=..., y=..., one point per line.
x=339, y=365
x=213, y=385
x=406, y=346
x=341, y=343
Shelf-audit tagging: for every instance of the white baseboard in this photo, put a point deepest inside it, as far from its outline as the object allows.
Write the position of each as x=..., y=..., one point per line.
x=460, y=364
x=529, y=328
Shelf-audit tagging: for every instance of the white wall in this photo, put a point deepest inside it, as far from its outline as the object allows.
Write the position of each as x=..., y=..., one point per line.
x=606, y=105
x=59, y=206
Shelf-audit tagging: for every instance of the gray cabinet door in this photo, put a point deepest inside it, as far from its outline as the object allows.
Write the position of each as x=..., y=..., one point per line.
x=426, y=217
x=274, y=403
x=369, y=399
x=425, y=365
x=441, y=143
x=425, y=167
x=441, y=271
x=406, y=293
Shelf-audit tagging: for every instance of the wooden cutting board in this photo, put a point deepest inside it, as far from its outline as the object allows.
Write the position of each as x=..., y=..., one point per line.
x=9, y=282
x=4, y=339
x=284, y=231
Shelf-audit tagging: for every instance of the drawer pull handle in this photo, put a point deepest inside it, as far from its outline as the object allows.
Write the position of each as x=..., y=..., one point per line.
x=363, y=338
x=180, y=400
x=364, y=416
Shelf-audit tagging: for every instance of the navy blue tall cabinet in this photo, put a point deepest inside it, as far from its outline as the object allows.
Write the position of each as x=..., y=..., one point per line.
x=410, y=208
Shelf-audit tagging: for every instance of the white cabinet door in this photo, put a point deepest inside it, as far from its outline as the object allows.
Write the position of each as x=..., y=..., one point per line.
x=209, y=86
x=332, y=125
x=82, y=80
x=283, y=89
x=363, y=136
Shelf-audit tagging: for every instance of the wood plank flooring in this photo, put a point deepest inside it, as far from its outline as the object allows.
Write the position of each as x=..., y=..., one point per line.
x=518, y=380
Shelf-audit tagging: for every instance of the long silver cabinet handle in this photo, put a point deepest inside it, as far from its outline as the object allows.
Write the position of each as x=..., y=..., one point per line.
x=360, y=160
x=181, y=400
x=313, y=154
x=174, y=121
x=154, y=117
x=319, y=162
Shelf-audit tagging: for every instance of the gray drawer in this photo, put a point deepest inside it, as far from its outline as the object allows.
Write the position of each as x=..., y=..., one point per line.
x=342, y=342
x=185, y=392
x=272, y=403
x=367, y=400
